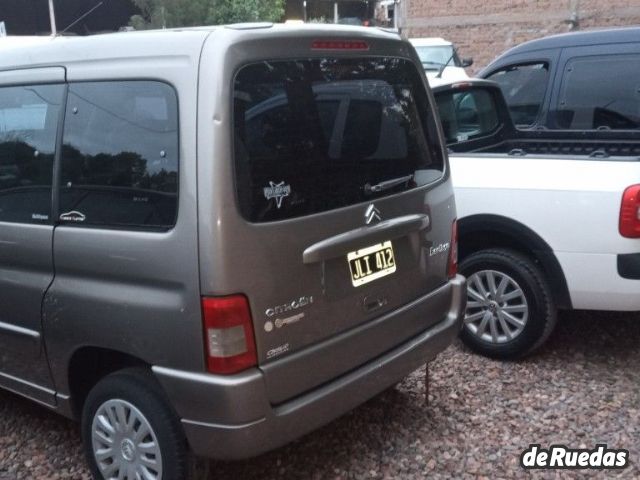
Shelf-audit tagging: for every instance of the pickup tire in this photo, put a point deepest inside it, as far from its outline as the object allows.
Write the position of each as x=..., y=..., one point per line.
x=510, y=311
x=128, y=427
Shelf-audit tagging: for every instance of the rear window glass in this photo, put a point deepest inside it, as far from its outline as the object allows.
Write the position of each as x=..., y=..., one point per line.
x=599, y=93
x=467, y=115
x=523, y=87
x=315, y=135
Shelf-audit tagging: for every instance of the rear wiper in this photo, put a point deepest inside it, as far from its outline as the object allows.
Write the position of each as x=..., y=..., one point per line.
x=386, y=185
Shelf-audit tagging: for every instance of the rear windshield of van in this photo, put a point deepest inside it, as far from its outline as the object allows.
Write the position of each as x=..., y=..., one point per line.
x=320, y=134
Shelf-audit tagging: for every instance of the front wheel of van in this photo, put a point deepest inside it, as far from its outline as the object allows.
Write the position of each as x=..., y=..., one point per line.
x=129, y=430
x=510, y=311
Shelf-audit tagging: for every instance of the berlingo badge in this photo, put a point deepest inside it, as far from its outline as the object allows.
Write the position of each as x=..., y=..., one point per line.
x=277, y=191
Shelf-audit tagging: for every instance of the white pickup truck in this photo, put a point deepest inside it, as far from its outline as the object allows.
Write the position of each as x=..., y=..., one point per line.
x=546, y=220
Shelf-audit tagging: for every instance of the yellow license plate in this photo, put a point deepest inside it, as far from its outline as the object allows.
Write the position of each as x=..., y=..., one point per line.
x=371, y=263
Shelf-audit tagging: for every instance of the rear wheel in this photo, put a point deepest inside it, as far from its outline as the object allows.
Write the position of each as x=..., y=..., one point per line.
x=510, y=311
x=130, y=431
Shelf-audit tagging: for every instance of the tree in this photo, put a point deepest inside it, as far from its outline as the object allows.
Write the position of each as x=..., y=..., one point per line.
x=170, y=13
x=187, y=13
x=235, y=11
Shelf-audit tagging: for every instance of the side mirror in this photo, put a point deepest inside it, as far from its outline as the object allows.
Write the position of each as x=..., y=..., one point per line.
x=467, y=62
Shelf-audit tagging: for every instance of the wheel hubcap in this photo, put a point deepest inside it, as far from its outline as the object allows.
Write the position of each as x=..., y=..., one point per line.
x=497, y=309
x=125, y=446
x=128, y=450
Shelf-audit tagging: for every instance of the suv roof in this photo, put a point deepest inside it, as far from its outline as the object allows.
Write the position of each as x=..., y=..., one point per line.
x=578, y=39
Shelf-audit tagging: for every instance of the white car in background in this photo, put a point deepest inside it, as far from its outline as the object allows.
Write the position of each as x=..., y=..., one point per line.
x=440, y=60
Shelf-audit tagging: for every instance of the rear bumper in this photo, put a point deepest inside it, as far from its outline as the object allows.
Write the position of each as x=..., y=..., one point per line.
x=231, y=417
x=602, y=281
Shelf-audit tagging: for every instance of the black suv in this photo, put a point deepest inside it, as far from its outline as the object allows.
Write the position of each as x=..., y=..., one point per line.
x=564, y=82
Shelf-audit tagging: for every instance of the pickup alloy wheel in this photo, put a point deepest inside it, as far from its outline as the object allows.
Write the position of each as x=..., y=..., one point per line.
x=497, y=309
x=510, y=311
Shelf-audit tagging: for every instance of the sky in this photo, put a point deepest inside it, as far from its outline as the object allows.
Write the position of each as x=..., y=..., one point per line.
x=31, y=17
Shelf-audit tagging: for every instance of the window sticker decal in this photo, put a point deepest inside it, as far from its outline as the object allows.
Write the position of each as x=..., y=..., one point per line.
x=278, y=191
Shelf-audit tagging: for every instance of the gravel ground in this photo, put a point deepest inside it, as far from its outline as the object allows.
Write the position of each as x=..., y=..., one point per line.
x=580, y=389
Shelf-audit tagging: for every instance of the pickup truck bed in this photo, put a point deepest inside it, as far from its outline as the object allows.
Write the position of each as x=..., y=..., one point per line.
x=596, y=149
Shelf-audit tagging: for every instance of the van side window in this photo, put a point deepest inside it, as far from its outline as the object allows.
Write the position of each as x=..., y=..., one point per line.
x=120, y=155
x=28, y=122
x=590, y=100
x=523, y=87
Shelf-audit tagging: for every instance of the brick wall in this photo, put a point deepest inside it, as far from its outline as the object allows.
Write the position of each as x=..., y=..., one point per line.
x=483, y=29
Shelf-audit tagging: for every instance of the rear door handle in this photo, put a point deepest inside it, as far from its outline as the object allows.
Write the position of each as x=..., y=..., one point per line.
x=387, y=230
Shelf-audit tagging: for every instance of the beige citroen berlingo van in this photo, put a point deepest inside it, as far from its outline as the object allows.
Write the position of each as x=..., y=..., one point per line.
x=219, y=239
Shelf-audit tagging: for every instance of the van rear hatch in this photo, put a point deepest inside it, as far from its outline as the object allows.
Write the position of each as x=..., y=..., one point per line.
x=335, y=219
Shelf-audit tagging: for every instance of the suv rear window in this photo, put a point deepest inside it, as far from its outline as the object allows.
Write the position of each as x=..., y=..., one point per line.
x=599, y=93
x=523, y=87
x=315, y=135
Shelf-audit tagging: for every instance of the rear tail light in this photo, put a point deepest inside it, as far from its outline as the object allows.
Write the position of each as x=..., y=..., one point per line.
x=229, y=341
x=339, y=45
x=630, y=212
x=452, y=268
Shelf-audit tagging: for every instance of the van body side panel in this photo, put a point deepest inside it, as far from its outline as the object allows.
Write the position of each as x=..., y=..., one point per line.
x=26, y=261
x=26, y=271
x=128, y=290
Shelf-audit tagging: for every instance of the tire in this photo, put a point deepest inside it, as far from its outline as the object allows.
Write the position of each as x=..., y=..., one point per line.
x=513, y=314
x=135, y=396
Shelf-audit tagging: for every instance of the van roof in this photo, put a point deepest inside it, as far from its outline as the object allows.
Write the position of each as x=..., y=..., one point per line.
x=169, y=42
x=16, y=41
x=578, y=39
